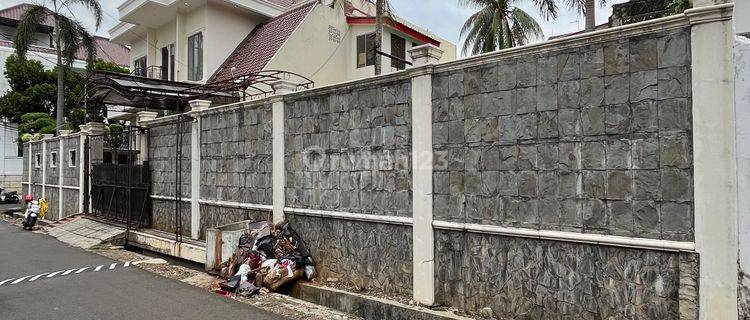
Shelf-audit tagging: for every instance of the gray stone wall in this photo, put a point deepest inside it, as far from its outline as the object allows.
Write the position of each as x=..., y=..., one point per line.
x=365, y=255
x=164, y=216
x=162, y=165
x=36, y=172
x=236, y=158
x=53, y=173
x=594, y=139
x=214, y=216
x=538, y=279
x=350, y=150
x=70, y=174
x=70, y=203
x=53, y=196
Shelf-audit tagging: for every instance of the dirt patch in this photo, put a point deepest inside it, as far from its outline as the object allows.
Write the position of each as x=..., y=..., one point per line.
x=275, y=303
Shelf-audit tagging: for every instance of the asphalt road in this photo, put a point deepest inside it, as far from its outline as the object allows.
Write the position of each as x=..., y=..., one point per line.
x=121, y=293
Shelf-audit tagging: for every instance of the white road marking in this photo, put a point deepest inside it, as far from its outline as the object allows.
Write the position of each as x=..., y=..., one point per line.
x=62, y=273
x=68, y=272
x=20, y=279
x=37, y=276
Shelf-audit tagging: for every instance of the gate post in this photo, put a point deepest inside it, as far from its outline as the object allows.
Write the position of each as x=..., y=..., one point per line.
x=423, y=237
x=278, y=173
x=84, y=178
x=142, y=140
x=196, y=106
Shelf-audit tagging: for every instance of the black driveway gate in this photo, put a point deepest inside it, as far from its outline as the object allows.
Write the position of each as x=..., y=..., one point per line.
x=120, y=182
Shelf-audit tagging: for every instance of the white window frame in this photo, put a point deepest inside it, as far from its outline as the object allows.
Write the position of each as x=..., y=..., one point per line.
x=72, y=160
x=53, y=159
x=37, y=160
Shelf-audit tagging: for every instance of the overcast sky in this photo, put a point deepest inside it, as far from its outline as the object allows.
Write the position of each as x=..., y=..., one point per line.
x=443, y=17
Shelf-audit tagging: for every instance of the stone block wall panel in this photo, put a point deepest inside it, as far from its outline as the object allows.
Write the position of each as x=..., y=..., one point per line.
x=538, y=279
x=70, y=174
x=53, y=174
x=70, y=203
x=236, y=155
x=36, y=172
x=162, y=159
x=214, y=216
x=593, y=139
x=53, y=197
x=350, y=150
x=164, y=216
x=365, y=255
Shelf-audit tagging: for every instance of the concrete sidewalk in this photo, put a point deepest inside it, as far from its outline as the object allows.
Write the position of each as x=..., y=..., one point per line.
x=86, y=233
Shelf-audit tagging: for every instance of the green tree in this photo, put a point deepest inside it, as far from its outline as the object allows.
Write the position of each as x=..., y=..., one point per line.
x=499, y=24
x=35, y=123
x=33, y=89
x=69, y=36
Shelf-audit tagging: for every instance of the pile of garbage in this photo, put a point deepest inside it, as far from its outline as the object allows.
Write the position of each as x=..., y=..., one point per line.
x=268, y=258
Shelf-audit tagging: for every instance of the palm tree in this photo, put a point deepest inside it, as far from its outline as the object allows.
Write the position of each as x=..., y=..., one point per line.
x=69, y=36
x=588, y=9
x=382, y=10
x=499, y=25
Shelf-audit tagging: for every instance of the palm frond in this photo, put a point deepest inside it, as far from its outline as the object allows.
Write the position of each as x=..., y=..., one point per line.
x=88, y=44
x=547, y=8
x=27, y=27
x=94, y=7
x=525, y=23
x=67, y=31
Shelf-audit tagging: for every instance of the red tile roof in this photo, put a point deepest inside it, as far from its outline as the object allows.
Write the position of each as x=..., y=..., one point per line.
x=259, y=47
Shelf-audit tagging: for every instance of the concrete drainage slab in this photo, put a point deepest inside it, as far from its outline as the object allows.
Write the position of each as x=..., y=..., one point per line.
x=86, y=233
x=364, y=306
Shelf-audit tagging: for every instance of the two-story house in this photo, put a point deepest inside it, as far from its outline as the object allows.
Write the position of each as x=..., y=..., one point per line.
x=42, y=49
x=212, y=40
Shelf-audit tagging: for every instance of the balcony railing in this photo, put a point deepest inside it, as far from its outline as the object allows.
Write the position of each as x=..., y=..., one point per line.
x=152, y=72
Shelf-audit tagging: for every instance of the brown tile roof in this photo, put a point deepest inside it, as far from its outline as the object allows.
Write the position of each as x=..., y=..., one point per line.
x=109, y=51
x=106, y=50
x=16, y=12
x=259, y=47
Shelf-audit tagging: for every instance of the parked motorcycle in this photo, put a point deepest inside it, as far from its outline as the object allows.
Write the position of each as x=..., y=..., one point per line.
x=31, y=215
x=9, y=197
x=35, y=210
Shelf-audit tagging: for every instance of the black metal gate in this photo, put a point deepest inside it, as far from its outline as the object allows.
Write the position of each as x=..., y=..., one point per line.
x=119, y=180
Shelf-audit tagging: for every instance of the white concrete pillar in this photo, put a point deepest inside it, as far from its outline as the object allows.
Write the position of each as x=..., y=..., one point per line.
x=96, y=152
x=279, y=171
x=30, y=163
x=61, y=147
x=424, y=55
x=422, y=154
x=44, y=167
x=81, y=170
x=196, y=106
x=715, y=181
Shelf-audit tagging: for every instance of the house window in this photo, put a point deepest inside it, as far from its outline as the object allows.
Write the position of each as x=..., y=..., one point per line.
x=37, y=160
x=72, y=157
x=366, y=50
x=398, y=50
x=53, y=160
x=139, y=67
x=195, y=57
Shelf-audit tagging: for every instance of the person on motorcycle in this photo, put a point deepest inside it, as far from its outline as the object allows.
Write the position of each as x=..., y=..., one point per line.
x=35, y=210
